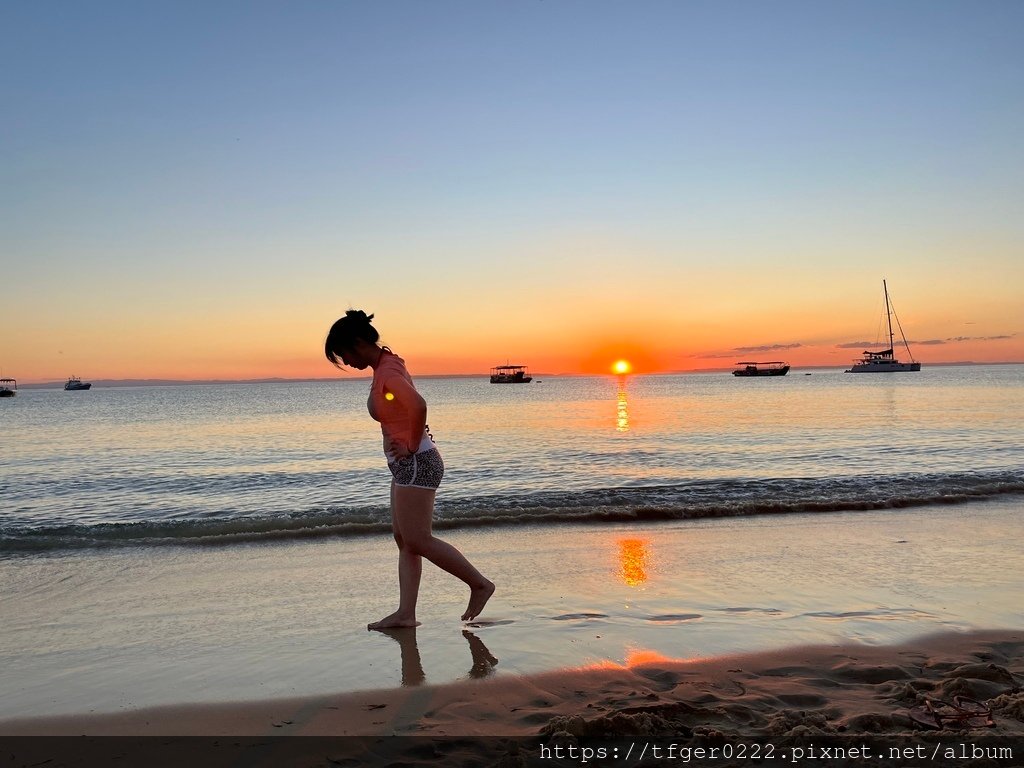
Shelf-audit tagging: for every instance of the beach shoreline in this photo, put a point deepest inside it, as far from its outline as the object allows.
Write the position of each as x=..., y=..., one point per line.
x=835, y=696
x=125, y=631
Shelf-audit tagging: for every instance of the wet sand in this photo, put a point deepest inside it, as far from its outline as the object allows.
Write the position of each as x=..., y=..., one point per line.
x=800, y=698
x=780, y=630
x=118, y=631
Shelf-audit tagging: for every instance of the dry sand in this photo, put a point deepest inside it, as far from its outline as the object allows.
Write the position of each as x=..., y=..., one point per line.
x=821, y=697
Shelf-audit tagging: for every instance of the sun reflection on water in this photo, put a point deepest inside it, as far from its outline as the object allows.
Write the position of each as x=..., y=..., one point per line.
x=622, y=407
x=636, y=658
x=633, y=560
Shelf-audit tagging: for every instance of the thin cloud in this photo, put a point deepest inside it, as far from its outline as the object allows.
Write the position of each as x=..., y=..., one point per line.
x=768, y=347
x=857, y=344
x=928, y=342
x=983, y=338
x=746, y=350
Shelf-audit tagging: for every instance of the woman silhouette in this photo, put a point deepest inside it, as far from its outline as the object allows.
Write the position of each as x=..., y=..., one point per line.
x=415, y=464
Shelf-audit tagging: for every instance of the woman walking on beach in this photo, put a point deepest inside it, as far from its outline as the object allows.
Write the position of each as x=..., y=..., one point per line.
x=415, y=465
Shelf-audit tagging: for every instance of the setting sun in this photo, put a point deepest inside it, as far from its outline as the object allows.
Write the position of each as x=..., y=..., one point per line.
x=622, y=366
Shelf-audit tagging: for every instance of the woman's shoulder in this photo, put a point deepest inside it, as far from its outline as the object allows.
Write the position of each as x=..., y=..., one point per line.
x=390, y=358
x=391, y=363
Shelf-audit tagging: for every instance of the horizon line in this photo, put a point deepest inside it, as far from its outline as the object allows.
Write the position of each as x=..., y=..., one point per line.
x=143, y=382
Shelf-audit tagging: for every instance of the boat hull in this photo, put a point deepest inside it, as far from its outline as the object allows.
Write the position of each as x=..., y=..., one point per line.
x=877, y=367
x=762, y=368
x=7, y=393
x=76, y=387
x=763, y=372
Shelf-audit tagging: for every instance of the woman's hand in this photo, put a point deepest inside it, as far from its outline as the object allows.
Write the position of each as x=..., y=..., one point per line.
x=397, y=448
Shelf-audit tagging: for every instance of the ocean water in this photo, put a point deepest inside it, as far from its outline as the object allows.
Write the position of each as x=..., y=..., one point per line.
x=206, y=543
x=222, y=464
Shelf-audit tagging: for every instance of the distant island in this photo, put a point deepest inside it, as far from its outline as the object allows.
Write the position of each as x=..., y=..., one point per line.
x=274, y=380
x=100, y=383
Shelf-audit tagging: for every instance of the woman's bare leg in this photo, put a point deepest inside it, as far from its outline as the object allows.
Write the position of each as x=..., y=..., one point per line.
x=412, y=513
x=410, y=568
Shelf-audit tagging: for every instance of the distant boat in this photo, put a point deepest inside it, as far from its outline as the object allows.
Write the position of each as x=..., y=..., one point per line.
x=885, y=361
x=8, y=387
x=773, y=368
x=510, y=374
x=75, y=383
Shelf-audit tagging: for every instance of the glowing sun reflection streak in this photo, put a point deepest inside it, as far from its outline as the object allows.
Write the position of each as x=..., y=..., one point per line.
x=622, y=408
x=633, y=558
x=636, y=658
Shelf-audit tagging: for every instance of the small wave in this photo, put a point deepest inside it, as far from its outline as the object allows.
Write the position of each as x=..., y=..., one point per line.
x=688, y=501
x=192, y=532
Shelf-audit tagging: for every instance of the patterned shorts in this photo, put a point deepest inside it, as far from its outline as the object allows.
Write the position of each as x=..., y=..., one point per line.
x=420, y=470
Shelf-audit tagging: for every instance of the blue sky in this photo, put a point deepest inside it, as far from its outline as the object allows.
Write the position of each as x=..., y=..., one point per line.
x=165, y=166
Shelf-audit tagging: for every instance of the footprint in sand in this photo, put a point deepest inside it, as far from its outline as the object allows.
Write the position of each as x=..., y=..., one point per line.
x=484, y=623
x=751, y=610
x=844, y=615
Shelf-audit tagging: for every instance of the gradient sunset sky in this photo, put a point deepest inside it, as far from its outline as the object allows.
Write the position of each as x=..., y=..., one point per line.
x=198, y=190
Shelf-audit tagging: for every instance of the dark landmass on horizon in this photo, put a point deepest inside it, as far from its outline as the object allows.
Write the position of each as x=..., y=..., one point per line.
x=271, y=380
x=537, y=376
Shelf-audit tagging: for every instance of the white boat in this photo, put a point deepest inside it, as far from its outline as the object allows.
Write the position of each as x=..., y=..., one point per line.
x=886, y=361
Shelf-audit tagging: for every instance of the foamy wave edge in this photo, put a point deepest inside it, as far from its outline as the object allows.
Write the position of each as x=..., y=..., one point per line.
x=693, y=501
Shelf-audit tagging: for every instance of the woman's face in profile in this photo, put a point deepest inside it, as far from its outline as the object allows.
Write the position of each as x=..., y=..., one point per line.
x=352, y=358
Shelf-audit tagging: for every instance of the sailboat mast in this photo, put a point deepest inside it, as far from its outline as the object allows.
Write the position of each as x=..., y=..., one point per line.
x=888, y=314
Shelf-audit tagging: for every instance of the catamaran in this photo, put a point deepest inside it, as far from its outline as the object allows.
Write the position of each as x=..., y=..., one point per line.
x=886, y=360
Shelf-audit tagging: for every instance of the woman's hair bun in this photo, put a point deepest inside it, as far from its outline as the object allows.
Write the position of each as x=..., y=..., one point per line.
x=358, y=315
x=346, y=331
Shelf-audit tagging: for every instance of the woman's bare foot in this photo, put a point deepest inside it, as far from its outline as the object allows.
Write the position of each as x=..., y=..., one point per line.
x=478, y=598
x=394, y=621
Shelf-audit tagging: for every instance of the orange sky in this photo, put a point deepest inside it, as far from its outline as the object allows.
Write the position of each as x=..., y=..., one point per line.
x=700, y=333
x=496, y=187
x=685, y=325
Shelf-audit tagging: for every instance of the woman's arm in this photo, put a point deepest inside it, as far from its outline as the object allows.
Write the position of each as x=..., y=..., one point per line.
x=401, y=391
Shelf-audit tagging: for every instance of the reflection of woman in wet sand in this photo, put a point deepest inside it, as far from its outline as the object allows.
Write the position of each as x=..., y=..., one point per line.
x=415, y=464
x=412, y=667
x=483, y=660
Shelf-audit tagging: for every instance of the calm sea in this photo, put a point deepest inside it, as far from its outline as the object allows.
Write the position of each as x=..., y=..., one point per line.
x=218, y=464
